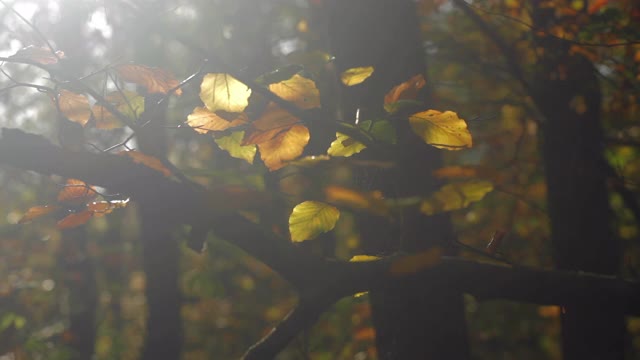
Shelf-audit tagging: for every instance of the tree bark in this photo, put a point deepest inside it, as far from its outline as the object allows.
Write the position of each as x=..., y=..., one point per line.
x=413, y=320
x=567, y=93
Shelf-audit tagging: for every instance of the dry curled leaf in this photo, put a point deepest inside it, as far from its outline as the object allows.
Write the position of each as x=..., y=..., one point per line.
x=76, y=192
x=408, y=90
x=155, y=80
x=74, y=106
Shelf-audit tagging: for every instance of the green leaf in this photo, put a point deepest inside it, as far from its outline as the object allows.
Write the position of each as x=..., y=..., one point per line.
x=355, y=76
x=311, y=218
x=380, y=130
x=455, y=196
x=345, y=146
x=233, y=145
x=443, y=130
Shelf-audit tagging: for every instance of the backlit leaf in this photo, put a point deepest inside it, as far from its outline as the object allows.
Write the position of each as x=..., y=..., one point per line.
x=408, y=90
x=298, y=90
x=36, y=212
x=362, y=258
x=273, y=121
x=75, y=219
x=74, y=106
x=129, y=103
x=101, y=208
x=155, y=80
x=147, y=160
x=372, y=202
x=444, y=130
x=233, y=145
x=281, y=74
x=285, y=146
x=455, y=196
x=202, y=120
x=76, y=192
x=355, y=76
x=38, y=54
x=411, y=264
x=224, y=92
x=345, y=146
x=310, y=219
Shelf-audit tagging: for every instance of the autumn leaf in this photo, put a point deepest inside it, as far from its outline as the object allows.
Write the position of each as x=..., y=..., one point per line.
x=372, y=202
x=408, y=90
x=224, y=92
x=310, y=219
x=281, y=74
x=469, y=171
x=36, y=212
x=155, y=80
x=345, y=146
x=101, y=208
x=233, y=145
x=203, y=121
x=76, y=192
x=363, y=258
x=285, y=146
x=38, y=54
x=355, y=76
x=298, y=90
x=443, y=130
x=147, y=160
x=75, y=219
x=455, y=196
x=129, y=103
x=411, y=264
x=74, y=106
x=272, y=121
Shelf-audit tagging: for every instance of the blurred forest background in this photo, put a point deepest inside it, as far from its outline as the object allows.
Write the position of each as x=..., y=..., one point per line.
x=67, y=294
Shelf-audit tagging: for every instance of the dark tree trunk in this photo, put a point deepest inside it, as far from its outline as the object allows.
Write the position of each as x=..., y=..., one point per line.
x=567, y=93
x=412, y=320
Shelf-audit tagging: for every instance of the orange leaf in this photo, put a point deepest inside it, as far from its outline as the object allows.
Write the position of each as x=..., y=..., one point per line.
x=156, y=80
x=596, y=5
x=298, y=90
x=411, y=264
x=74, y=220
x=128, y=103
x=76, y=192
x=202, y=120
x=273, y=121
x=368, y=333
x=36, y=212
x=285, y=146
x=37, y=54
x=147, y=160
x=372, y=202
x=74, y=106
x=408, y=90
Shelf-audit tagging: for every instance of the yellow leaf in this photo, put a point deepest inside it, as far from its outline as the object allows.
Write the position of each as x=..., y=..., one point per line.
x=455, y=196
x=443, y=130
x=345, y=146
x=285, y=146
x=147, y=160
x=233, y=145
x=408, y=90
x=355, y=76
x=361, y=258
x=298, y=90
x=74, y=106
x=155, y=80
x=411, y=264
x=372, y=202
x=129, y=103
x=311, y=218
x=36, y=212
x=203, y=121
x=224, y=92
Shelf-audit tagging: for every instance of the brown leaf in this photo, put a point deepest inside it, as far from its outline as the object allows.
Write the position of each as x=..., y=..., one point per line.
x=101, y=208
x=37, y=54
x=285, y=146
x=129, y=103
x=298, y=90
x=372, y=202
x=203, y=121
x=74, y=106
x=273, y=121
x=147, y=160
x=74, y=219
x=156, y=80
x=36, y=212
x=408, y=90
x=76, y=192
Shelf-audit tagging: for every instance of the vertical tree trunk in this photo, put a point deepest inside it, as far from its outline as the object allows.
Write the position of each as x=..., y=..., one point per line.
x=413, y=320
x=567, y=93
